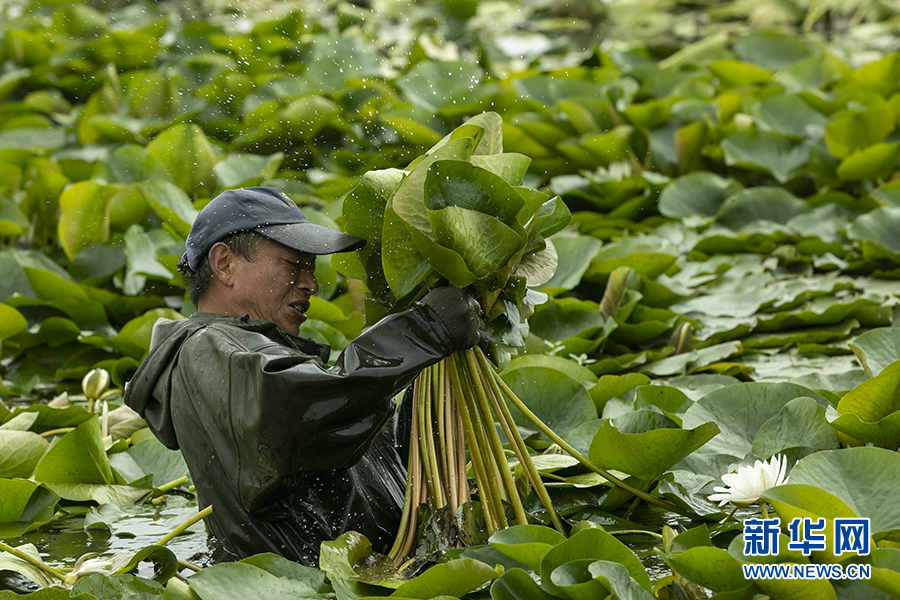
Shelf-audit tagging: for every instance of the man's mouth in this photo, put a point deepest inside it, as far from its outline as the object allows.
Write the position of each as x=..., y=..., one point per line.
x=300, y=307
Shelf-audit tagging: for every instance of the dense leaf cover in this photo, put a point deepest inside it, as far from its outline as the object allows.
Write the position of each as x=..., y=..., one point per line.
x=732, y=259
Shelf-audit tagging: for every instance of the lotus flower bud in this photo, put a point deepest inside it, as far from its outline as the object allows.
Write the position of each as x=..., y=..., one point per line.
x=95, y=383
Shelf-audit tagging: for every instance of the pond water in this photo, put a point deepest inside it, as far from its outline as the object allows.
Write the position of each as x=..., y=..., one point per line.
x=114, y=530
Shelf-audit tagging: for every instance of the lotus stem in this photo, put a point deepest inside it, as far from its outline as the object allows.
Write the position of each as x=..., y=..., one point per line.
x=481, y=396
x=636, y=501
x=426, y=438
x=409, y=516
x=504, y=416
x=186, y=565
x=38, y=564
x=477, y=461
x=104, y=418
x=183, y=527
x=172, y=484
x=60, y=431
x=643, y=531
x=582, y=459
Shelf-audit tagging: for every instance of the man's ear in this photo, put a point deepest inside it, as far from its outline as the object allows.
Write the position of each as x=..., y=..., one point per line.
x=221, y=261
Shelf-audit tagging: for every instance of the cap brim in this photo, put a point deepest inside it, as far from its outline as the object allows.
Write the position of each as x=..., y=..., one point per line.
x=312, y=238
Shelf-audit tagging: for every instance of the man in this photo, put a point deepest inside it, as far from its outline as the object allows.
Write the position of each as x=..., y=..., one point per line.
x=288, y=450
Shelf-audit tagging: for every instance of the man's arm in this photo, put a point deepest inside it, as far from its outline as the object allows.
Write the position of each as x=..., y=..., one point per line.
x=291, y=414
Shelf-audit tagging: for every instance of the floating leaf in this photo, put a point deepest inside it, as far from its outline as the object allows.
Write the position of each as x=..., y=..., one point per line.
x=870, y=412
x=593, y=544
x=767, y=152
x=527, y=544
x=649, y=454
x=698, y=193
x=876, y=349
x=455, y=579
x=20, y=452
x=860, y=477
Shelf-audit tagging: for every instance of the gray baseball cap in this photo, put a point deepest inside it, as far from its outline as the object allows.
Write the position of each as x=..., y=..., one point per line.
x=267, y=211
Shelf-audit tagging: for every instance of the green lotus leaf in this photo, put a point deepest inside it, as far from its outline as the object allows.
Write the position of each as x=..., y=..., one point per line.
x=527, y=544
x=578, y=583
x=12, y=221
x=26, y=504
x=83, y=216
x=149, y=457
x=870, y=412
x=740, y=411
x=408, y=200
x=790, y=115
x=854, y=129
x=566, y=318
x=859, y=477
x=766, y=152
x=877, y=226
x=509, y=166
x=760, y=204
x=886, y=570
x=876, y=349
x=698, y=193
x=241, y=170
x=575, y=254
x=78, y=457
x=516, y=584
x=282, y=567
x=644, y=256
x=345, y=557
x=404, y=266
x=413, y=125
x=735, y=73
x=110, y=587
x=20, y=452
x=795, y=500
x=11, y=322
x=801, y=423
x=671, y=400
x=488, y=251
x=876, y=162
x=435, y=85
x=227, y=580
x=647, y=454
x=560, y=401
x=363, y=208
x=185, y=153
x=710, y=567
x=37, y=141
x=11, y=80
x=771, y=49
x=593, y=544
x=455, y=578
x=170, y=203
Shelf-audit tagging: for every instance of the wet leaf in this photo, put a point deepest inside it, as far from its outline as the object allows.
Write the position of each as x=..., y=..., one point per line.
x=648, y=454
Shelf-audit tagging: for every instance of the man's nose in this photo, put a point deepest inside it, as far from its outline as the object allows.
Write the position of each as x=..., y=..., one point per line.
x=308, y=281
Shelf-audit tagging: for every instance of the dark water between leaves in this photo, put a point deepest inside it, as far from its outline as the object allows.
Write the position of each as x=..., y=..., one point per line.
x=61, y=543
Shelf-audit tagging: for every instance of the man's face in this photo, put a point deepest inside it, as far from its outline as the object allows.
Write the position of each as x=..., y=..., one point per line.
x=276, y=286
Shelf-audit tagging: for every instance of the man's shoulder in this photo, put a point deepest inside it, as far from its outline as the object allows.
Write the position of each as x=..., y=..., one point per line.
x=232, y=334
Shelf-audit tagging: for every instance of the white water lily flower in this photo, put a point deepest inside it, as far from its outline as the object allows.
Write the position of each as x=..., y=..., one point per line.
x=89, y=564
x=746, y=487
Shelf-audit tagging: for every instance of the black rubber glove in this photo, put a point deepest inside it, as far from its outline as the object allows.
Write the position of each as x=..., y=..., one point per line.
x=460, y=312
